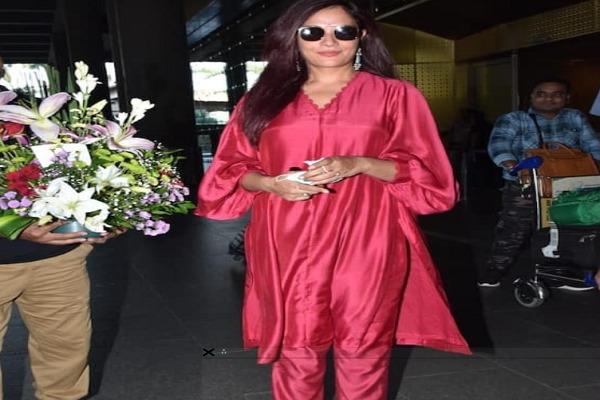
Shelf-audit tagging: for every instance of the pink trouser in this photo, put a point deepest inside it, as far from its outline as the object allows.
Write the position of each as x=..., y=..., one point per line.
x=299, y=373
x=361, y=373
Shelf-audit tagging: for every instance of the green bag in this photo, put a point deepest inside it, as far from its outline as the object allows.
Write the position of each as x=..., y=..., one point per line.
x=580, y=207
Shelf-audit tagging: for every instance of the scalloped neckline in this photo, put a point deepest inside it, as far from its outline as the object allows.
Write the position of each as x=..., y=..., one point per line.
x=333, y=98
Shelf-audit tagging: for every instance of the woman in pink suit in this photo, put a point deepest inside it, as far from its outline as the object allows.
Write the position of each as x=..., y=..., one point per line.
x=335, y=257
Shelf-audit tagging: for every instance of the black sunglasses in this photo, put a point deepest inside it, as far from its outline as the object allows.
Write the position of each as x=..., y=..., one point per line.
x=341, y=32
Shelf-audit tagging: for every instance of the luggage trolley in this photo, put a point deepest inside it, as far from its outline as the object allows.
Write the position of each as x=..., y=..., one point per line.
x=561, y=255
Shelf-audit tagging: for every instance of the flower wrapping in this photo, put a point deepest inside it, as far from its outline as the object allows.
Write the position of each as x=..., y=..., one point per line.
x=61, y=159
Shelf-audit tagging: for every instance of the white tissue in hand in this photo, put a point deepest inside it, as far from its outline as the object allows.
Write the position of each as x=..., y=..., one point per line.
x=311, y=162
x=297, y=177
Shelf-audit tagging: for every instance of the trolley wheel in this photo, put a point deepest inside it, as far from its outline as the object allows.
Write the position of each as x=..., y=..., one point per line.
x=530, y=294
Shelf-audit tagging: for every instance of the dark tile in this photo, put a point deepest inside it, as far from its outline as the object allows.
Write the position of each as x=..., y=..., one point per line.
x=587, y=392
x=423, y=362
x=153, y=371
x=490, y=384
x=234, y=376
x=557, y=367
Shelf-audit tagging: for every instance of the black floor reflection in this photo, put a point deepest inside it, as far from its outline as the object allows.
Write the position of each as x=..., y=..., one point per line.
x=109, y=277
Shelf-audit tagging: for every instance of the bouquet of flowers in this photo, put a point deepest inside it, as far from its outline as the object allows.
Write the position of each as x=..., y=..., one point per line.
x=61, y=159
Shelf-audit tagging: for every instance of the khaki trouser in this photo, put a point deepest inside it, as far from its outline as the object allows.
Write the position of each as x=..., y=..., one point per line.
x=52, y=296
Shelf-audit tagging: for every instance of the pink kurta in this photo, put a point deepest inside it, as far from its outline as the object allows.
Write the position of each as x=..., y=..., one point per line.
x=299, y=253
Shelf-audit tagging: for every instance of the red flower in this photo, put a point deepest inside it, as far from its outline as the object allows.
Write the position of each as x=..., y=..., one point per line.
x=20, y=179
x=13, y=128
x=20, y=187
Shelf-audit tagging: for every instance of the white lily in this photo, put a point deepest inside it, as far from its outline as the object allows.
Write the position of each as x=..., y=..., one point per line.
x=110, y=176
x=96, y=223
x=77, y=205
x=87, y=84
x=46, y=203
x=66, y=202
x=97, y=107
x=122, y=117
x=79, y=98
x=139, y=108
x=81, y=69
x=7, y=96
x=39, y=121
x=119, y=140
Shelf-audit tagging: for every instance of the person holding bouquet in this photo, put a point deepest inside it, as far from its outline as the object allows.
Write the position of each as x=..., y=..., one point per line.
x=334, y=254
x=44, y=274
x=71, y=178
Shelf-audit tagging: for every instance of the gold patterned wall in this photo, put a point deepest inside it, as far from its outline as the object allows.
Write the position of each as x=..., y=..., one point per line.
x=475, y=71
x=564, y=23
x=491, y=87
x=428, y=62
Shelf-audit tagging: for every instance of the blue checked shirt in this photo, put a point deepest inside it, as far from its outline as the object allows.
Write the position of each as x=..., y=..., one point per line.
x=515, y=132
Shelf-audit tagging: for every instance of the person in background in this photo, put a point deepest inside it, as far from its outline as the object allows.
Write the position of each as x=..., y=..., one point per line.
x=512, y=135
x=334, y=254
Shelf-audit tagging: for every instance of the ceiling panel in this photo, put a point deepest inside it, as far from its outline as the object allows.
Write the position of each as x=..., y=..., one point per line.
x=26, y=30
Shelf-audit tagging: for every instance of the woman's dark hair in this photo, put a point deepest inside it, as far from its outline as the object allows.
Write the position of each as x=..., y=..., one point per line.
x=280, y=82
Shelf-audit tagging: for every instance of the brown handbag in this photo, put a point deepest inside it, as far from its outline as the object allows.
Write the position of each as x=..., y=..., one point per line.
x=560, y=161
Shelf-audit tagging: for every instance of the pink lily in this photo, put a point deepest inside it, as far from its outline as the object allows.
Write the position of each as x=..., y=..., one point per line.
x=39, y=120
x=119, y=140
x=7, y=96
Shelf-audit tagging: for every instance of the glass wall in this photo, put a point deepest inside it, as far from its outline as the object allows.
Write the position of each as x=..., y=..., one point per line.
x=210, y=93
x=253, y=71
x=28, y=78
x=112, y=87
x=211, y=101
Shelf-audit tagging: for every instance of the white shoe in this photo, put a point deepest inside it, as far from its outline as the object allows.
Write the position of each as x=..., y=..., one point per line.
x=488, y=284
x=575, y=288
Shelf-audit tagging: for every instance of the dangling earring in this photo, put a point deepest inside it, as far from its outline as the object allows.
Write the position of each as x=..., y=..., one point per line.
x=298, y=66
x=357, y=59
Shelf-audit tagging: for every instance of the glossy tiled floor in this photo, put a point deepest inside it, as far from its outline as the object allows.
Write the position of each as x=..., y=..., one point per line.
x=162, y=306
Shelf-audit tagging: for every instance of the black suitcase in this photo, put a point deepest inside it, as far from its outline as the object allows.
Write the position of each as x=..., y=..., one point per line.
x=578, y=247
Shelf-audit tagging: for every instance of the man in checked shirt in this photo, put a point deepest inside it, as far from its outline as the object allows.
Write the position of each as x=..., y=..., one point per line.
x=514, y=133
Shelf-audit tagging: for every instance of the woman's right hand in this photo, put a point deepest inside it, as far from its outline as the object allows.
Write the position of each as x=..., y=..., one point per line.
x=293, y=191
x=278, y=185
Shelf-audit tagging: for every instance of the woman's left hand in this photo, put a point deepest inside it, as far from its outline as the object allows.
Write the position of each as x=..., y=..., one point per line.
x=334, y=169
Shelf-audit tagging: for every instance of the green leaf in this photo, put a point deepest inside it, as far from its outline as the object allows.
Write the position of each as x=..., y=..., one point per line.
x=11, y=226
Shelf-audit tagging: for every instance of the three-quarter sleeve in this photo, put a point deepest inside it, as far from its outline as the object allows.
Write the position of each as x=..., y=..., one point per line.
x=424, y=181
x=220, y=195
